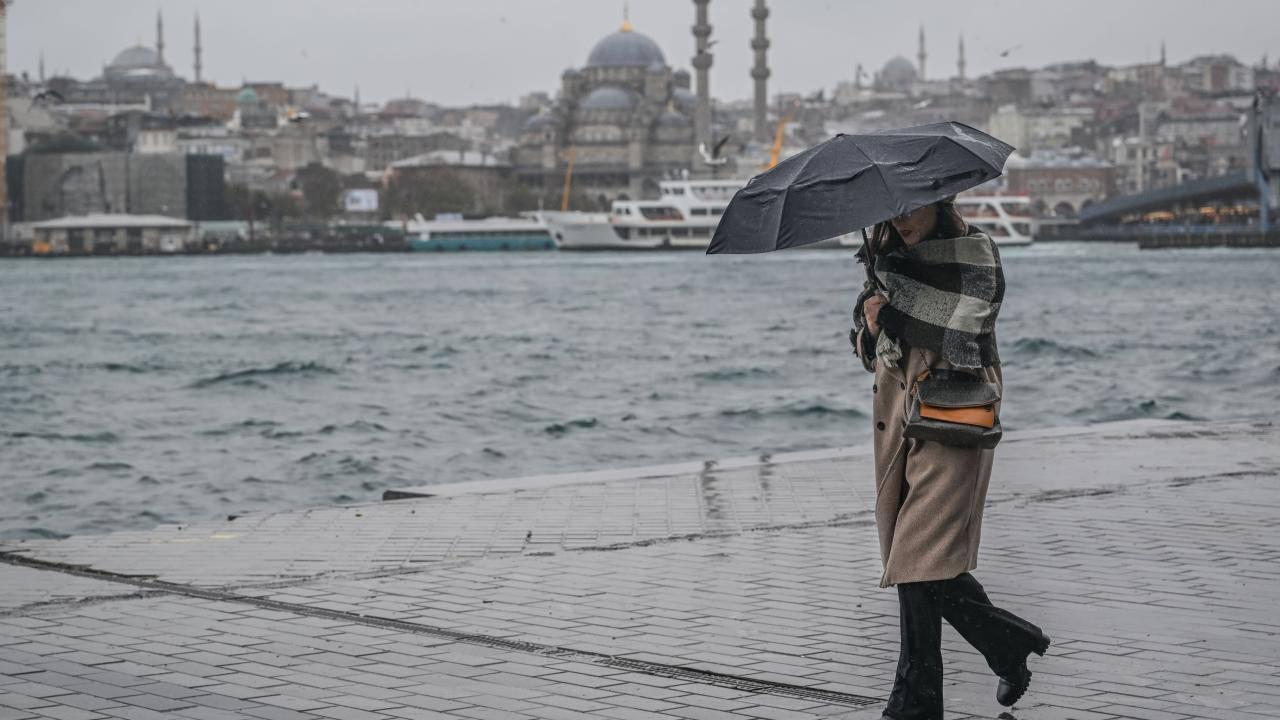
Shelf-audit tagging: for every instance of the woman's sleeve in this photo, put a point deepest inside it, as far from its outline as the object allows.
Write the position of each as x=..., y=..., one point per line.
x=864, y=346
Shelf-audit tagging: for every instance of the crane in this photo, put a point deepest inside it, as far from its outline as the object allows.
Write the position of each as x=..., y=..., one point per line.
x=568, y=179
x=779, y=136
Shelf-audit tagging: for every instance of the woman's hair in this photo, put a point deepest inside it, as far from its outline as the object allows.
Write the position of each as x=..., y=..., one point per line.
x=885, y=237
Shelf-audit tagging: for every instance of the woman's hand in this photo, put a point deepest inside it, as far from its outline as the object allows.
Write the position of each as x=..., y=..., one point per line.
x=871, y=311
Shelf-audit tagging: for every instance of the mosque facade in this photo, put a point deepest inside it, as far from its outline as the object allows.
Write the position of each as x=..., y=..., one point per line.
x=625, y=121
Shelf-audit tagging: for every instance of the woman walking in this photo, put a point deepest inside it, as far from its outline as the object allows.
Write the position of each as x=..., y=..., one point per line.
x=929, y=311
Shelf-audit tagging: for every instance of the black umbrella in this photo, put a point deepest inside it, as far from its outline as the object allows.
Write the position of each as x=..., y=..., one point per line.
x=852, y=182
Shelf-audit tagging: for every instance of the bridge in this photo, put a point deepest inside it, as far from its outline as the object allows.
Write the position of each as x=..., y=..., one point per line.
x=1232, y=187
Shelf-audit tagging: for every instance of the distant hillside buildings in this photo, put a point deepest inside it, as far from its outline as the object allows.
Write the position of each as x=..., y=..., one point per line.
x=142, y=138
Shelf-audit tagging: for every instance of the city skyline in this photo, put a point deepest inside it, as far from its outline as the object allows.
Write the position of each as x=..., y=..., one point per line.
x=410, y=51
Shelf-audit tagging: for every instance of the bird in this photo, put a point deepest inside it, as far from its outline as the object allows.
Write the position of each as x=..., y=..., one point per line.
x=1005, y=53
x=713, y=157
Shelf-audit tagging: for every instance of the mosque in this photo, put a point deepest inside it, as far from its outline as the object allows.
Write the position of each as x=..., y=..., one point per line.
x=625, y=120
x=137, y=74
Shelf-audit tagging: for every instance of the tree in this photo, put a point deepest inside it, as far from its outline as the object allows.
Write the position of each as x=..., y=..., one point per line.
x=321, y=190
x=439, y=190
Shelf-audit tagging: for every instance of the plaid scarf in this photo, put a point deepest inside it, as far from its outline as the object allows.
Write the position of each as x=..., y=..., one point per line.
x=944, y=295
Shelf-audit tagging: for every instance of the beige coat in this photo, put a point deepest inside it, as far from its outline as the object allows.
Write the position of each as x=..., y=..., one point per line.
x=929, y=496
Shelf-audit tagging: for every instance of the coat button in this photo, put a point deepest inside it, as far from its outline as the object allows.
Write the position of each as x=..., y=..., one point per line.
x=880, y=425
x=902, y=385
x=875, y=388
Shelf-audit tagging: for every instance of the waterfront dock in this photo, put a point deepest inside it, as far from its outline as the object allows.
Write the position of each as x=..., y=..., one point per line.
x=742, y=588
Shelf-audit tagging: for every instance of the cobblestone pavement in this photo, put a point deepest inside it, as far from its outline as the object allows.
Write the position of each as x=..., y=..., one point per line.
x=1147, y=551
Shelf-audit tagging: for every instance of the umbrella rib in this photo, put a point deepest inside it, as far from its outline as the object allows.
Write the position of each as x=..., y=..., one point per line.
x=888, y=193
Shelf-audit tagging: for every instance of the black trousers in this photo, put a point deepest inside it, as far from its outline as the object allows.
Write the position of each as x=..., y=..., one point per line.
x=1003, y=638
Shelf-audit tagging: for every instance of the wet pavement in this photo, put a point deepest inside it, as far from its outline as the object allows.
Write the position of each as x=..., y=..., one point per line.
x=744, y=588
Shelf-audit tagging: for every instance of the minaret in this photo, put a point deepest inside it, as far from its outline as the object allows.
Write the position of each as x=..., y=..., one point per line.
x=4, y=118
x=1162, y=56
x=857, y=77
x=960, y=61
x=199, y=52
x=702, y=63
x=921, y=55
x=760, y=73
x=160, y=35
x=41, y=68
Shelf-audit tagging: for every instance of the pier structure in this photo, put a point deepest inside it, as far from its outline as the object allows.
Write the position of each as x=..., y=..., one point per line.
x=739, y=588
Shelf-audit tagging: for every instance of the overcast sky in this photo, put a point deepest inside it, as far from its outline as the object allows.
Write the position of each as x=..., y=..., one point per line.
x=468, y=51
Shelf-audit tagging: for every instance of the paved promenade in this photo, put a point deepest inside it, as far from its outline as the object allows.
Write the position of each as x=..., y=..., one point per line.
x=1150, y=553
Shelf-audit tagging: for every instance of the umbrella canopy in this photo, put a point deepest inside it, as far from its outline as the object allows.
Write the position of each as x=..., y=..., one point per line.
x=855, y=181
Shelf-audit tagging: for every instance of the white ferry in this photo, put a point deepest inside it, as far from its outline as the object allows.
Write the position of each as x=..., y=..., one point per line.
x=683, y=217
x=1006, y=218
x=687, y=212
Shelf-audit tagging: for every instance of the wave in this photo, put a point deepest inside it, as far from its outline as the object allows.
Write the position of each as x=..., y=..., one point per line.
x=121, y=367
x=560, y=429
x=1039, y=347
x=20, y=370
x=234, y=428
x=100, y=437
x=1143, y=410
x=794, y=410
x=111, y=466
x=357, y=426
x=33, y=533
x=734, y=374
x=249, y=376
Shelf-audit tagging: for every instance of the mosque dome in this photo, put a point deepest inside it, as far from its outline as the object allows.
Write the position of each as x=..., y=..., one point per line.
x=684, y=99
x=626, y=48
x=671, y=118
x=541, y=121
x=247, y=96
x=136, y=58
x=898, y=71
x=609, y=98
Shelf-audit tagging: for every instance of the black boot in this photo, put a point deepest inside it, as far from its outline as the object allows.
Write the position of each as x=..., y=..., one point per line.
x=917, y=685
x=1004, y=639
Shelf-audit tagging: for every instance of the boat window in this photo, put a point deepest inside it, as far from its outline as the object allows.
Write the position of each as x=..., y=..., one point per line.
x=660, y=213
x=997, y=230
x=983, y=210
x=699, y=211
x=1022, y=228
x=717, y=211
x=677, y=191
x=622, y=232
x=680, y=232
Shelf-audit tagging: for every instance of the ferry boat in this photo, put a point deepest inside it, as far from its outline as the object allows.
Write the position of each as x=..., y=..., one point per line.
x=684, y=216
x=1006, y=218
x=687, y=212
x=453, y=234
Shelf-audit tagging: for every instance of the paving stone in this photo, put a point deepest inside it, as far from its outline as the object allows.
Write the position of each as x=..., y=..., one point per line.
x=1153, y=565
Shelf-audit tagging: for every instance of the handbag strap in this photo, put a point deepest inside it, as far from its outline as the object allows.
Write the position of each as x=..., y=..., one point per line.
x=921, y=377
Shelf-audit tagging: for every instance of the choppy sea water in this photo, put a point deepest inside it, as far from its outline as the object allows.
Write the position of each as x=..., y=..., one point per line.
x=140, y=391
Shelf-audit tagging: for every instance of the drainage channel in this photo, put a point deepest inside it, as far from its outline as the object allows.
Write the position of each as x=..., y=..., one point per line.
x=675, y=672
